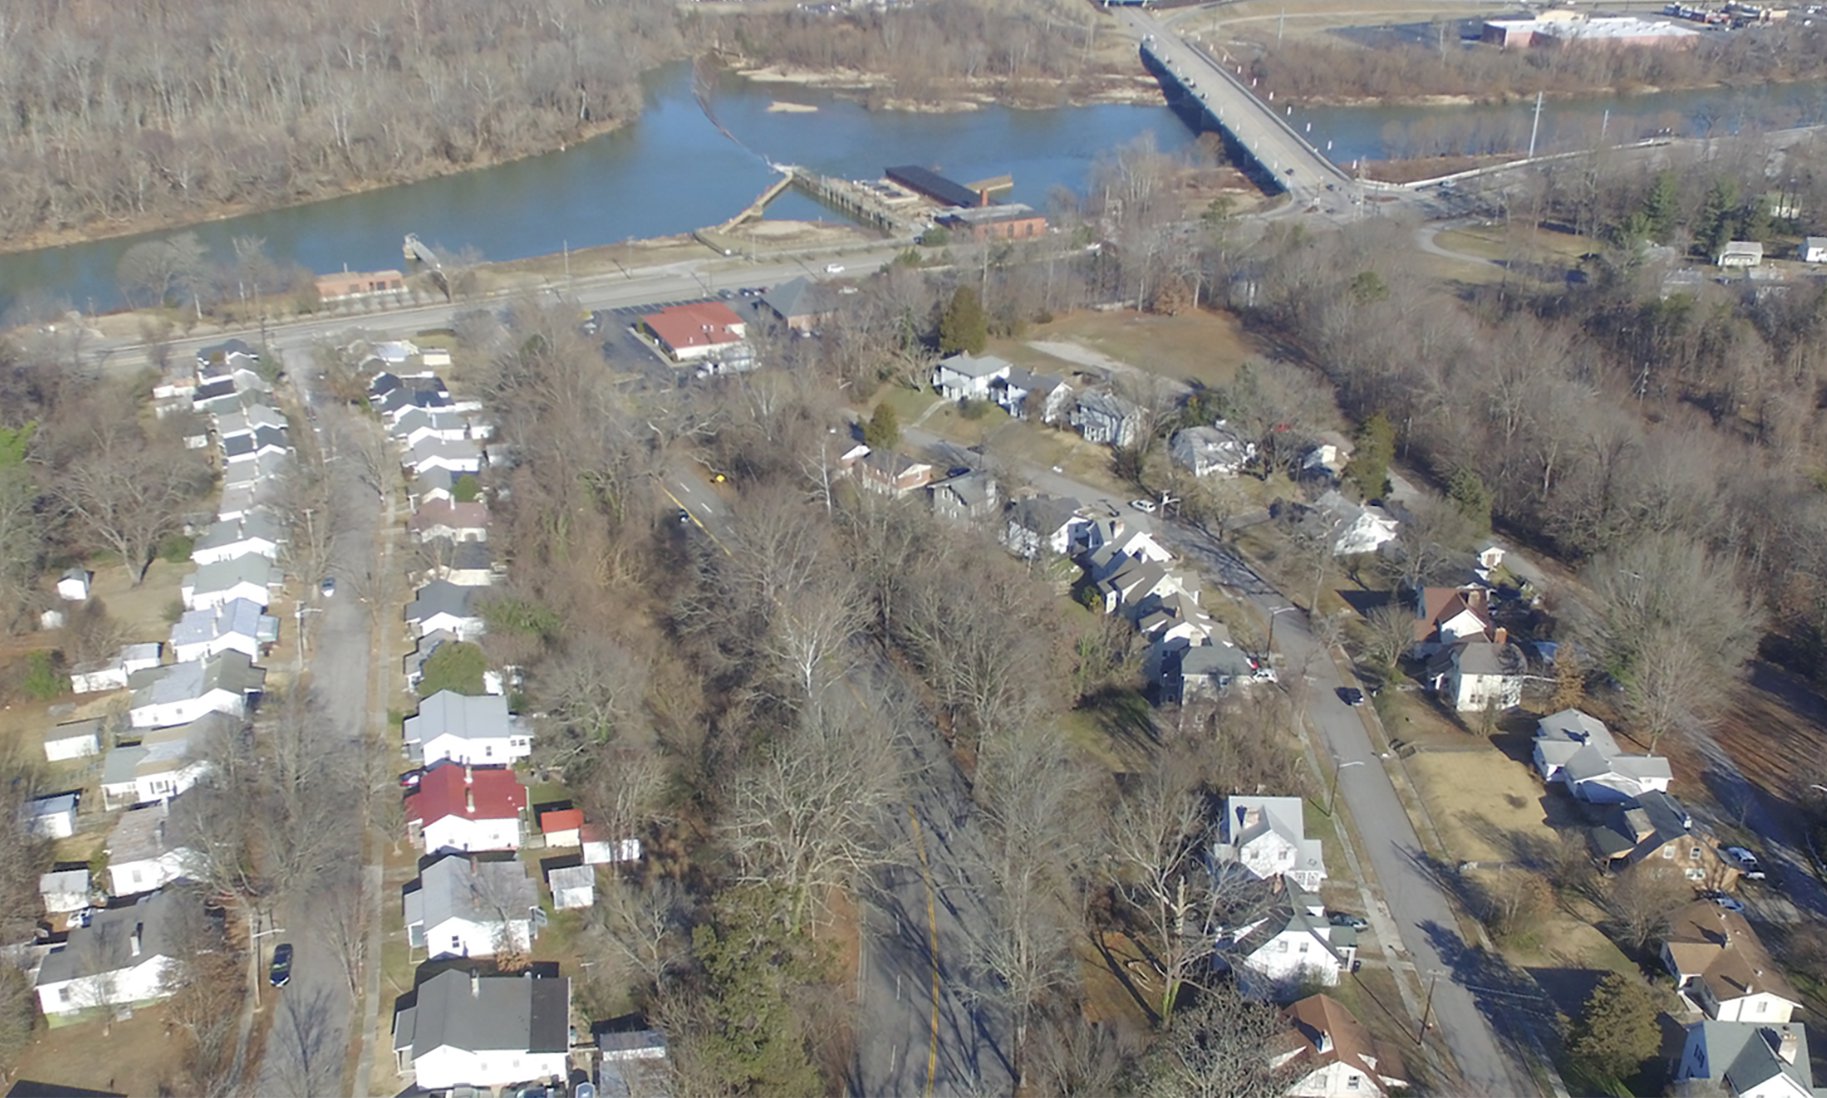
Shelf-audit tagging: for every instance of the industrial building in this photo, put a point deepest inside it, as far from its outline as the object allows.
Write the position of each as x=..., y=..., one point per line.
x=1571, y=29
x=1013, y=221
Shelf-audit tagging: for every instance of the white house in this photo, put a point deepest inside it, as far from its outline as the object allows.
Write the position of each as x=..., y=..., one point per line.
x=1722, y=969
x=256, y=532
x=1354, y=529
x=234, y=626
x=1106, y=419
x=1288, y=944
x=165, y=763
x=143, y=855
x=180, y=693
x=1745, y=1060
x=572, y=886
x=442, y=605
x=460, y=456
x=1028, y=395
x=455, y=521
x=1813, y=250
x=1268, y=837
x=461, y=808
x=465, y=1029
x=73, y=585
x=49, y=817
x=1045, y=524
x=64, y=890
x=1577, y=750
x=474, y=731
x=252, y=577
x=463, y=907
x=124, y=955
x=1211, y=451
x=1480, y=673
x=1332, y=1055
x=262, y=442
x=248, y=420
x=114, y=674
x=417, y=424
x=464, y=563
x=76, y=740
x=965, y=376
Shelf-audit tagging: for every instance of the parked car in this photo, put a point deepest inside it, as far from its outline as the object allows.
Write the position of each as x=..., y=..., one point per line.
x=1351, y=695
x=1346, y=918
x=1728, y=902
x=1146, y=506
x=410, y=779
x=1746, y=861
x=327, y=587
x=834, y=268
x=279, y=973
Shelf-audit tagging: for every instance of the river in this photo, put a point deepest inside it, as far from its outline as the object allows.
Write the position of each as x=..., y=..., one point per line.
x=672, y=170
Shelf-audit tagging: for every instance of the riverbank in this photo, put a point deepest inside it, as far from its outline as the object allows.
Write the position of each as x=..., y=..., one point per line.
x=180, y=220
x=876, y=90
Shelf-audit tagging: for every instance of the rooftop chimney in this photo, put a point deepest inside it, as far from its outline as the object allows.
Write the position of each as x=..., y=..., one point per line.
x=1501, y=636
x=475, y=984
x=1324, y=1041
x=138, y=941
x=469, y=774
x=469, y=800
x=1787, y=1046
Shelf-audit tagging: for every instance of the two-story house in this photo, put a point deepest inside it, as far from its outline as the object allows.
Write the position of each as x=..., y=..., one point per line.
x=1267, y=836
x=1722, y=969
x=473, y=731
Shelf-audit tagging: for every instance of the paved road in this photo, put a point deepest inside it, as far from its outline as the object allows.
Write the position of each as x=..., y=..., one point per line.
x=1282, y=153
x=310, y=1035
x=1429, y=938
x=690, y=280
x=923, y=1026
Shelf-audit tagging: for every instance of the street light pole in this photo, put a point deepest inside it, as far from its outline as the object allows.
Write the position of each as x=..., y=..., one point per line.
x=1337, y=769
x=1428, y=1010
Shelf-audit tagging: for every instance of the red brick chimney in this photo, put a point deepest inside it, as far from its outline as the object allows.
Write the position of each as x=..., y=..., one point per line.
x=1501, y=637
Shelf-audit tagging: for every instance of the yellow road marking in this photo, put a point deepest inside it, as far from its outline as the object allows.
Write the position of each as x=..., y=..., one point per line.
x=932, y=942
x=715, y=540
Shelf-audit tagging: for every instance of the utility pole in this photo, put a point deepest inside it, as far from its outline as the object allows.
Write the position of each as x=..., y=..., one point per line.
x=1428, y=1010
x=1537, y=127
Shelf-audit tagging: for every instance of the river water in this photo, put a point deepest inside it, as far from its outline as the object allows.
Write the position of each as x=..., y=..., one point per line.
x=673, y=170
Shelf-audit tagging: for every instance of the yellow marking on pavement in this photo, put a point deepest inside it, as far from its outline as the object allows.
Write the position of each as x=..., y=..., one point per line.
x=715, y=540
x=932, y=943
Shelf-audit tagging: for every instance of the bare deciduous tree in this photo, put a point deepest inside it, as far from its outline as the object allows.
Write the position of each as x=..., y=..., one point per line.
x=1219, y=1050
x=122, y=490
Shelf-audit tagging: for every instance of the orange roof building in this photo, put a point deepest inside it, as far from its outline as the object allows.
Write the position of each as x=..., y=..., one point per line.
x=691, y=332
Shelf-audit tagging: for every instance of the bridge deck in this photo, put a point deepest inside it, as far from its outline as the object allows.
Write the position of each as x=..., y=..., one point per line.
x=1265, y=136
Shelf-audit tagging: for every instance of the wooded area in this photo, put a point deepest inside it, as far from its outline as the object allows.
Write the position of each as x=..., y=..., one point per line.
x=1031, y=51
x=119, y=115
x=1314, y=68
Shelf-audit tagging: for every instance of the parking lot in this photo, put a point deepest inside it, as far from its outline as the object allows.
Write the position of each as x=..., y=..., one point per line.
x=628, y=353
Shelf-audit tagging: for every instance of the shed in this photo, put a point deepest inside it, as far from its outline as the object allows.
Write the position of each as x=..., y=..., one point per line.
x=76, y=740
x=561, y=826
x=64, y=891
x=1740, y=253
x=572, y=886
x=73, y=585
x=52, y=817
x=599, y=849
x=1813, y=250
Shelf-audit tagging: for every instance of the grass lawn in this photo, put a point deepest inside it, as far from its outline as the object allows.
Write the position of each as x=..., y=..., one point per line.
x=908, y=404
x=1203, y=348
x=130, y=1057
x=1488, y=808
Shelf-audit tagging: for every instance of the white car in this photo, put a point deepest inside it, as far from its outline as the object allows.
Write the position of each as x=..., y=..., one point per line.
x=1746, y=861
x=1146, y=506
x=834, y=268
x=1730, y=904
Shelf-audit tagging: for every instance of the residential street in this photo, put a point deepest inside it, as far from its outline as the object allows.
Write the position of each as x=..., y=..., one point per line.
x=1479, y=1028
x=310, y=1037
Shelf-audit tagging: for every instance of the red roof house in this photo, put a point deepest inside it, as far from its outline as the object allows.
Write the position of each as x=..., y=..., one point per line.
x=694, y=331
x=467, y=808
